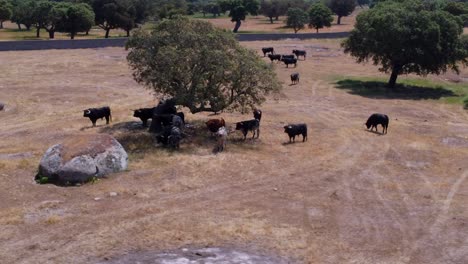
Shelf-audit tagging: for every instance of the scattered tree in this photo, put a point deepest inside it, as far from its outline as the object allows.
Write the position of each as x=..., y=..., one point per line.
x=238, y=10
x=407, y=38
x=55, y=17
x=5, y=12
x=176, y=59
x=320, y=16
x=342, y=8
x=273, y=8
x=41, y=15
x=23, y=13
x=77, y=18
x=296, y=19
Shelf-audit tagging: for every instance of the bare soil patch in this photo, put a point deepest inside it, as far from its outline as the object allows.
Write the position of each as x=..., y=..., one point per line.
x=344, y=196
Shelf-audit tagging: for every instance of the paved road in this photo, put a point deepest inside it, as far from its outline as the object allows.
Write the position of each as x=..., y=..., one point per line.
x=120, y=42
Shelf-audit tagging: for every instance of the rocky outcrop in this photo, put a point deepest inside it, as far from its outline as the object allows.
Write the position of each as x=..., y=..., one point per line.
x=81, y=158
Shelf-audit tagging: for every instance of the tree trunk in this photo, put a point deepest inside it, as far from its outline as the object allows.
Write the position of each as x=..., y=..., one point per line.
x=72, y=35
x=51, y=34
x=393, y=77
x=295, y=30
x=38, y=32
x=128, y=33
x=317, y=30
x=237, y=26
x=107, y=33
x=28, y=27
x=19, y=26
x=87, y=32
x=339, y=20
x=271, y=20
x=1, y=24
x=277, y=18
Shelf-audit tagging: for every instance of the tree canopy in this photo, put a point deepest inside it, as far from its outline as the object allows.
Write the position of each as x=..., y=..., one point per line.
x=273, y=8
x=203, y=68
x=408, y=38
x=342, y=8
x=297, y=18
x=5, y=11
x=112, y=14
x=320, y=16
x=23, y=12
x=76, y=18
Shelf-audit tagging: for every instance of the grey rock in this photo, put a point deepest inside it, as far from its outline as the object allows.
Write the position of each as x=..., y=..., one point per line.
x=81, y=158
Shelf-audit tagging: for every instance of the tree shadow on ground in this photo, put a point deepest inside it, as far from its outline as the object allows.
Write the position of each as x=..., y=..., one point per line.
x=379, y=90
x=122, y=127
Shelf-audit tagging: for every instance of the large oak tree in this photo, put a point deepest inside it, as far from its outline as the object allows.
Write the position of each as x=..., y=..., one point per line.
x=203, y=68
x=408, y=38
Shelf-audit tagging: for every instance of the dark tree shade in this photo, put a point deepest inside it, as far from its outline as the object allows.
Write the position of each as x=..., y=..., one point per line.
x=203, y=68
x=407, y=38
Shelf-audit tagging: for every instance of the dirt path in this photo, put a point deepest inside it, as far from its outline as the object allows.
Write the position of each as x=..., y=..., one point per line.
x=344, y=196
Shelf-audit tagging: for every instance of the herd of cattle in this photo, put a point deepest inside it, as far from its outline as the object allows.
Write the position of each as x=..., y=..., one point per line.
x=287, y=59
x=168, y=124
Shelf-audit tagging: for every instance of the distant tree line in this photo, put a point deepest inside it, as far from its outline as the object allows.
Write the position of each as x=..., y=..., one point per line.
x=73, y=16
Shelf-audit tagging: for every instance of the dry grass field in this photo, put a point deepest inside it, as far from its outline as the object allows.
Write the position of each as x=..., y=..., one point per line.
x=345, y=196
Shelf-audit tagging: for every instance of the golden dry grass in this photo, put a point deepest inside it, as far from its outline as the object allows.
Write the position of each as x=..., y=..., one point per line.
x=344, y=196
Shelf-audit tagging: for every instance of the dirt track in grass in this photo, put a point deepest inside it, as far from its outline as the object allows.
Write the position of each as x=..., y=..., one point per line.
x=344, y=196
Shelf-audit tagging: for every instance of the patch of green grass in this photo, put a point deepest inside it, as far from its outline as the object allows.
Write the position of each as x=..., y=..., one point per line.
x=406, y=88
x=465, y=102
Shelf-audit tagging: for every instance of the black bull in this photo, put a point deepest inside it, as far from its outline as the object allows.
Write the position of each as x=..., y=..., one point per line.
x=98, y=113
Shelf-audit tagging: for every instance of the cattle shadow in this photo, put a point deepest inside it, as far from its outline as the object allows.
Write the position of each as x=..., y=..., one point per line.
x=379, y=90
x=374, y=132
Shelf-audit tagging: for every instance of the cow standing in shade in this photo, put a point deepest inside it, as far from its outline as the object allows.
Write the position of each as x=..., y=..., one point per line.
x=214, y=124
x=378, y=119
x=98, y=113
x=221, y=135
x=295, y=130
x=295, y=78
x=249, y=125
x=144, y=114
x=162, y=115
x=257, y=113
x=268, y=50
